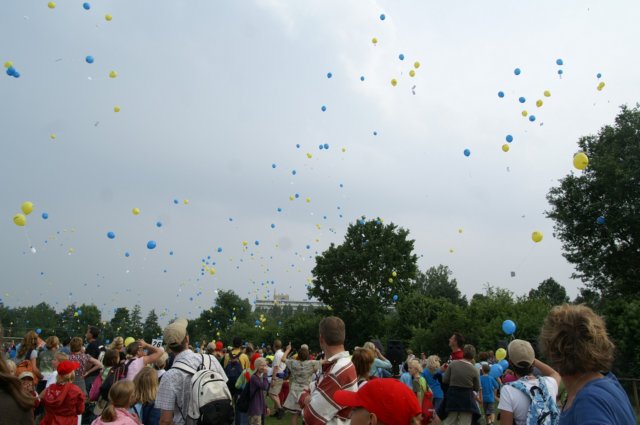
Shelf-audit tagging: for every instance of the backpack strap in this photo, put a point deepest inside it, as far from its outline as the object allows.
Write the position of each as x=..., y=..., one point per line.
x=184, y=367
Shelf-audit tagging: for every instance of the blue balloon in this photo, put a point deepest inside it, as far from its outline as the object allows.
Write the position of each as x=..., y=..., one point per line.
x=45, y=216
x=257, y=243
x=219, y=249
x=38, y=331
x=170, y=252
x=362, y=78
x=329, y=75
x=599, y=75
x=401, y=56
x=86, y=6
x=382, y=17
x=151, y=245
x=509, y=138
x=293, y=172
x=517, y=71
x=175, y=201
x=532, y=118
x=279, y=209
x=467, y=152
x=273, y=226
x=273, y=165
x=326, y=146
x=395, y=298
x=11, y=71
x=158, y=224
x=559, y=62
x=324, y=108
x=126, y=254
x=89, y=59
x=111, y=235
x=257, y=323
x=375, y=133
x=521, y=99
x=504, y=364
x=600, y=220
x=298, y=145
x=500, y=94
x=496, y=371
x=16, y=74
x=320, y=147
x=560, y=72
x=508, y=327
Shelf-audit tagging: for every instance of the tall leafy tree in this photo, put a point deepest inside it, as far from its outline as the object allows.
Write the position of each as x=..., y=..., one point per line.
x=229, y=308
x=135, y=323
x=119, y=324
x=437, y=282
x=359, y=278
x=151, y=327
x=597, y=211
x=550, y=291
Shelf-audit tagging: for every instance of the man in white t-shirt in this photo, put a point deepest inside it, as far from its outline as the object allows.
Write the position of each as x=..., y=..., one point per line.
x=514, y=404
x=279, y=366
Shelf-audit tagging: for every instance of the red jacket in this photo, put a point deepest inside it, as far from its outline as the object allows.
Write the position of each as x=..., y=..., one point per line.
x=62, y=404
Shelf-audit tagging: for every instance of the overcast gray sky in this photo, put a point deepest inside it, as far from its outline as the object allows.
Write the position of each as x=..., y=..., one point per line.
x=213, y=93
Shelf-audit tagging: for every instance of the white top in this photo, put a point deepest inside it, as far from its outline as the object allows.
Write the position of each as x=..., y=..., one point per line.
x=277, y=361
x=513, y=400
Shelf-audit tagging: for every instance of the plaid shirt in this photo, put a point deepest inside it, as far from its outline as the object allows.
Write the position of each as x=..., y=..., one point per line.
x=338, y=374
x=174, y=392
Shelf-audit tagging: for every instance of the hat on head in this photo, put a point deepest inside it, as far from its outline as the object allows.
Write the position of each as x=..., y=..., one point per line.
x=65, y=367
x=176, y=332
x=521, y=353
x=390, y=400
x=219, y=345
x=252, y=362
x=25, y=374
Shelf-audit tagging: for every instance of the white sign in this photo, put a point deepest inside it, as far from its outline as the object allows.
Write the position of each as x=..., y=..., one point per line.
x=156, y=342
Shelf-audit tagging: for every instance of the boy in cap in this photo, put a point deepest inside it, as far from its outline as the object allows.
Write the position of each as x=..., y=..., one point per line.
x=383, y=401
x=514, y=404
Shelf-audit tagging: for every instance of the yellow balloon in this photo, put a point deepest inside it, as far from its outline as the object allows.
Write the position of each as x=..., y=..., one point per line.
x=53, y=136
x=291, y=198
x=186, y=202
x=460, y=230
x=19, y=220
x=600, y=86
x=135, y=211
x=547, y=93
x=108, y=17
x=245, y=243
x=8, y=64
x=412, y=73
x=116, y=108
x=538, y=103
x=27, y=207
x=580, y=160
x=536, y=236
x=309, y=155
x=308, y=200
x=416, y=64
x=113, y=74
x=75, y=314
x=51, y=5
x=505, y=147
x=394, y=274
x=525, y=113
x=344, y=149
x=451, y=250
x=390, y=280
x=129, y=340
x=394, y=82
x=501, y=354
x=374, y=40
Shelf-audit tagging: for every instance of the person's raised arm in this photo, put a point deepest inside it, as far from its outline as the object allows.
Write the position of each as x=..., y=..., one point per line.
x=547, y=370
x=154, y=352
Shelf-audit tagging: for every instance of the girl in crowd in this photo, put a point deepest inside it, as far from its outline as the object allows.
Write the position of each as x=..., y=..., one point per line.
x=121, y=397
x=160, y=364
x=433, y=375
x=146, y=383
x=137, y=359
x=363, y=360
x=118, y=345
x=301, y=372
x=575, y=341
x=29, y=351
x=381, y=366
x=44, y=361
x=83, y=359
x=63, y=401
x=414, y=380
x=110, y=361
x=16, y=405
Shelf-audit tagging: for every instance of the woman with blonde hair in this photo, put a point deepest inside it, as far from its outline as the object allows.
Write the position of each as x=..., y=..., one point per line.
x=381, y=367
x=414, y=379
x=146, y=383
x=574, y=339
x=433, y=375
x=118, y=345
x=28, y=352
x=63, y=401
x=121, y=397
x=77, y=355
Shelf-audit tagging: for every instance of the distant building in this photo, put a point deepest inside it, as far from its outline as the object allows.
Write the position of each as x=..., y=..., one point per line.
x=282, y=300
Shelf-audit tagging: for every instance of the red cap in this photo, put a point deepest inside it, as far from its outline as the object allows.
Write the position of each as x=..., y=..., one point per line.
x=67, y=366
x=254, y=357
x=219, y=345
x=391, y=400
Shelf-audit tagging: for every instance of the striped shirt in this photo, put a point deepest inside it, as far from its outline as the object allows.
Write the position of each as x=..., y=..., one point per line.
x=174, y=393
x=338, y=374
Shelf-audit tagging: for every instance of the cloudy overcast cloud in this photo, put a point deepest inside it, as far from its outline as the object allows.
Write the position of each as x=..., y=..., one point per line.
x=211, y=94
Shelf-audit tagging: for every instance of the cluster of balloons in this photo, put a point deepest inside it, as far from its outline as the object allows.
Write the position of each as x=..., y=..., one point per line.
x=11, y=71
x=412, y=72
x=20, y=219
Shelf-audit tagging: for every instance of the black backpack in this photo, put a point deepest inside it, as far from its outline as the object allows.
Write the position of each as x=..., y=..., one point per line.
x=233, y=370
x=242, y=403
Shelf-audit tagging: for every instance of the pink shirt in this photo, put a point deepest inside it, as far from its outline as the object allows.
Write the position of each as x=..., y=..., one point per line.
x=134, y=367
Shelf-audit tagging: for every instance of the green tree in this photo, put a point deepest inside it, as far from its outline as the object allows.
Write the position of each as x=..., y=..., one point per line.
x=550, y=291
x=359, y=278
x=151, y=327
x=597, y=212
x=229, y=308
x=436, y=283
x=119, y=324
x=74, y=320
x=135, y=323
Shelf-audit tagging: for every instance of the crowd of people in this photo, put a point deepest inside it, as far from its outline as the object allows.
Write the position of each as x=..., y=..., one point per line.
x=52, y=384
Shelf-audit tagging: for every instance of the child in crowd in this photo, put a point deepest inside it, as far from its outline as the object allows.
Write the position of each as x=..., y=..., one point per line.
x=121, y=397
x=257, y=386
x=27, y=383
x=489, y=386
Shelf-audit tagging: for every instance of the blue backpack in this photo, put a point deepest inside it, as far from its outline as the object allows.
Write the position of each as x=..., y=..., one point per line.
x=543, y=409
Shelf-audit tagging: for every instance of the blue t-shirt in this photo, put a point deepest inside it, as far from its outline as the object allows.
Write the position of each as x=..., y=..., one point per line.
x=433, y=383
x=489, y=384
x=600, y=402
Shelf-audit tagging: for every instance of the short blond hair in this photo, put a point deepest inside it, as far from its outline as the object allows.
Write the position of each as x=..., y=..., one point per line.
x=69, y=377
x=433, y=362
x=415, y=364
x=575, y=340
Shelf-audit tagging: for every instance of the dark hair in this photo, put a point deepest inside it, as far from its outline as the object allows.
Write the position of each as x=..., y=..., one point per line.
x=237, y=342
x=132, y=349
x=332, y=330
x=95, y=332
x=75, y=346
x=459, y=339
x=362, y=360
x=469, y=352
x=486, y=368
x=483, y=356
x=111, y=358
x=277, y=344
x=521, y=371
